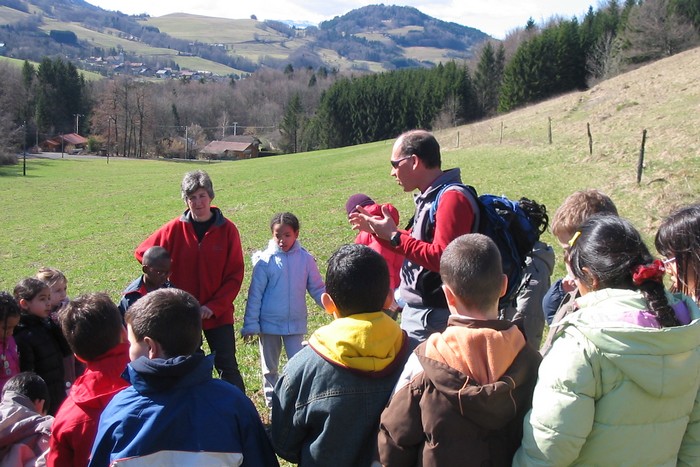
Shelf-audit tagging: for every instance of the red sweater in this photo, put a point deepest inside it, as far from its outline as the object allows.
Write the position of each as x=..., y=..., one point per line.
x=212, y=270
x=76, y=422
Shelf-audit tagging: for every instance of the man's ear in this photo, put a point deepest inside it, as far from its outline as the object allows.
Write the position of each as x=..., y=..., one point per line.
x=143, y=268
x=329, y=305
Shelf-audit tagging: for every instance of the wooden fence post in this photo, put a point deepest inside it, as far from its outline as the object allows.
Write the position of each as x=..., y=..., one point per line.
x=640, y=163
x=590, y=139
x=550, y=130
x=500, y=141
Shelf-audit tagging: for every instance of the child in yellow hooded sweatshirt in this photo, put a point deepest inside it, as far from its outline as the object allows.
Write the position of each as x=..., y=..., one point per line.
x=327, y=402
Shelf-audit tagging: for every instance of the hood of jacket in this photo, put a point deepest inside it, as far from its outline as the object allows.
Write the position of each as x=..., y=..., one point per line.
x=366, y=342
x=102, y=379
x=617, y=322
x=19, y=419
x=219, y=218
x=476, y=364
x=272, y=249
x=158, y=374
x=375, y=210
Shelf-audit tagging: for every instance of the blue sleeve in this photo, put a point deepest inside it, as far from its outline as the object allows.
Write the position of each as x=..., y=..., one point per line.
x=552, y=300
x=314, y=282
x=258, y=284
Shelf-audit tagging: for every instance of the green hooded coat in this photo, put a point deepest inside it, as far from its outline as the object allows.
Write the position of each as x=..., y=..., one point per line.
x=615, y=391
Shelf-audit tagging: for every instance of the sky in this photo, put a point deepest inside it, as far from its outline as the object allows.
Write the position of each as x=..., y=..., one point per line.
x=494, y=17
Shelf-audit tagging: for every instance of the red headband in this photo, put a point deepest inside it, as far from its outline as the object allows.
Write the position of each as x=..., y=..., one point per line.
x=649, y=272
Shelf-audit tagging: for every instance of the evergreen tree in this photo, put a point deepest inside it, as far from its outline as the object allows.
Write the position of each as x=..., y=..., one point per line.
x=61, y=95
x=292, y=123
x=487, y=81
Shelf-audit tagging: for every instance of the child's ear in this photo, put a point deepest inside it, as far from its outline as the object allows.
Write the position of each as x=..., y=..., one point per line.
x=329, y=305
x=450, y=296
x=389, y=300
x=154, y=348
x=39, y=406
x=504, y=285
x=23, y=304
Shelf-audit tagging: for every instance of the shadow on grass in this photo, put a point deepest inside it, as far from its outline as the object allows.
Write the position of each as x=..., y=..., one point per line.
x=15, y=170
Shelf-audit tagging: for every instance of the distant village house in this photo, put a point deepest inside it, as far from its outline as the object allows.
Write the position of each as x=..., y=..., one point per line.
x=232, y=148
x=64, y=143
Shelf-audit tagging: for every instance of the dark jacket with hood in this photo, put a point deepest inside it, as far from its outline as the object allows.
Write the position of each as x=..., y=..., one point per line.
x=40, y=345
x=462, y=398
x=175, y=413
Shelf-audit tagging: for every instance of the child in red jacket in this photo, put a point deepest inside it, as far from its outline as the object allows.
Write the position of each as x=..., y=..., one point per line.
x=93, y=327
x=393, y=259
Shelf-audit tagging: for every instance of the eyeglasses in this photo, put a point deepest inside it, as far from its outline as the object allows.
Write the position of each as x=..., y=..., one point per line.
x=395, y=163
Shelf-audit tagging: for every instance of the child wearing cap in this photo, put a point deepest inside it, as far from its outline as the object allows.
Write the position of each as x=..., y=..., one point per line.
x=394, y=259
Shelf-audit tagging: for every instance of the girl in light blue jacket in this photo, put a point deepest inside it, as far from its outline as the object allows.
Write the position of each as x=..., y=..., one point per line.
x=620, y=385
x=276, y=309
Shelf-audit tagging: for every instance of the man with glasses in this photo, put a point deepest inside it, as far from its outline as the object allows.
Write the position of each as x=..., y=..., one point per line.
x=416, y=165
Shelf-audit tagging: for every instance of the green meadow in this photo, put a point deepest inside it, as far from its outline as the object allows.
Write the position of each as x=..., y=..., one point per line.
x=86, y=216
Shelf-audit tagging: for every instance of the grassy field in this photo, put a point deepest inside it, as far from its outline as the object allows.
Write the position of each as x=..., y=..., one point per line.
x=88, y=75
x=85, y=216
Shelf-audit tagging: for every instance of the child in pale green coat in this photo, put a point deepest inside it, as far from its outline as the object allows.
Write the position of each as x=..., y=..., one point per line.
x=620, y=386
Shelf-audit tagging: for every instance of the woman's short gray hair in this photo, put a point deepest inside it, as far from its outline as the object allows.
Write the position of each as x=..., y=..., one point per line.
x=195, y=180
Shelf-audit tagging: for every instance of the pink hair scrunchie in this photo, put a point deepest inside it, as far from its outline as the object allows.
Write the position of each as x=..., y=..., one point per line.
x=649, y=272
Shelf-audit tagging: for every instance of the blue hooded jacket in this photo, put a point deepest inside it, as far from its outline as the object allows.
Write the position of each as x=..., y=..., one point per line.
x=175, y=413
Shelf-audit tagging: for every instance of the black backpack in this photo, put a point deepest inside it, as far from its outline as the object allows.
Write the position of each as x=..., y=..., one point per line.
x=515, y=227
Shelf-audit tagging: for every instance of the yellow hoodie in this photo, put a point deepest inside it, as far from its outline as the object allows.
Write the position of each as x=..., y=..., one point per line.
x=366, y=342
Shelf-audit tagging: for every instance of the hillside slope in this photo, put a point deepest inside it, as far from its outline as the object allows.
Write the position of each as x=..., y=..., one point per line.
x=662, y=97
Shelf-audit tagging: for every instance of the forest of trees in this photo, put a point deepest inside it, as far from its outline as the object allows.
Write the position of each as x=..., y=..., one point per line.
x=312, y=108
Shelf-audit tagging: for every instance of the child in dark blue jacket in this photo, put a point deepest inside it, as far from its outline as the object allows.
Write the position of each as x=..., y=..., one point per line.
x=175, y=413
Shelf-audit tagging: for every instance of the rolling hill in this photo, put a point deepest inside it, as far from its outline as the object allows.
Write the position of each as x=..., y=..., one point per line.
x=371, y=38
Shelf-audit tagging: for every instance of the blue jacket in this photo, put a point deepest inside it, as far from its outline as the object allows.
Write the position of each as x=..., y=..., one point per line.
x=175, y=413
x=277, y=294
x=133, y=292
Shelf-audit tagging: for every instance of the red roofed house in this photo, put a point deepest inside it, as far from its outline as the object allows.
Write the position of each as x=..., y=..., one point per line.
x=70, y=141
x=232, y=149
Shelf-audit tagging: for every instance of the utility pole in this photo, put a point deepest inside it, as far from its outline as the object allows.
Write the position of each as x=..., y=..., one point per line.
x=109, y=136
x=77, y=121
x=187, y=145
x=24, y=146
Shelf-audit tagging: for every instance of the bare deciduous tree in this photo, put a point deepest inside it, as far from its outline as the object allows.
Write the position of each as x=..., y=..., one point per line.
x=654, y=32
x=605, y=59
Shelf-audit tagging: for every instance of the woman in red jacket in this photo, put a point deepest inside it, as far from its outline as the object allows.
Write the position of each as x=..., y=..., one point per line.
x=207, y=261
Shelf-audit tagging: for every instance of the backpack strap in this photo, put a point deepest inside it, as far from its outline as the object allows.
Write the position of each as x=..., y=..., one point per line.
x=471, y=196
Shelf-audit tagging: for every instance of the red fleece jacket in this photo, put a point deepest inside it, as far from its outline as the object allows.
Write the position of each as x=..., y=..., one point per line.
x=76, y=422
x=212, y=270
